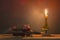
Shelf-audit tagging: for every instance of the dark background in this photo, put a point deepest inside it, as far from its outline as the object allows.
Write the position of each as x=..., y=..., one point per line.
x=18, y=12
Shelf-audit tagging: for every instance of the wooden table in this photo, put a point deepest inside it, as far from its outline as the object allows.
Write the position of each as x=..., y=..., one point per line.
x=39, y=36
x=34, y=37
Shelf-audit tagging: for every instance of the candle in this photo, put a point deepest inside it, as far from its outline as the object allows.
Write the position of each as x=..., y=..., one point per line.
x=46, y=15
x=45, y=27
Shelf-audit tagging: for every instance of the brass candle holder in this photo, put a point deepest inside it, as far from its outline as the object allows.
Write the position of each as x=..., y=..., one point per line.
x=45, y=28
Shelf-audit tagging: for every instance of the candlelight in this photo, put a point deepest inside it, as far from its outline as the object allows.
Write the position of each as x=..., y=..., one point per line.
x=46, y=11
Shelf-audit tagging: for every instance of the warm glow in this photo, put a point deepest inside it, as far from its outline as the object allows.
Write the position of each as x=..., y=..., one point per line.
x=46, y=11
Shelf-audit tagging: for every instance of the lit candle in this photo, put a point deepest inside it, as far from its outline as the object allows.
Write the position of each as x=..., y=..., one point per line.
x=46, y=15
x=45, y=27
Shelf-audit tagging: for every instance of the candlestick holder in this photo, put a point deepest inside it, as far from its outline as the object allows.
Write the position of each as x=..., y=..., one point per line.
x=45, y=29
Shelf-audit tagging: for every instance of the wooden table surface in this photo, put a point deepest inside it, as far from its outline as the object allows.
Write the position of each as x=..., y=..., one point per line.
x=39, y=36
x=34, y=36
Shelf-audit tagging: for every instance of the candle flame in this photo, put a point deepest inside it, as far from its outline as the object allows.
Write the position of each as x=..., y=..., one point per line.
x=46, y=11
